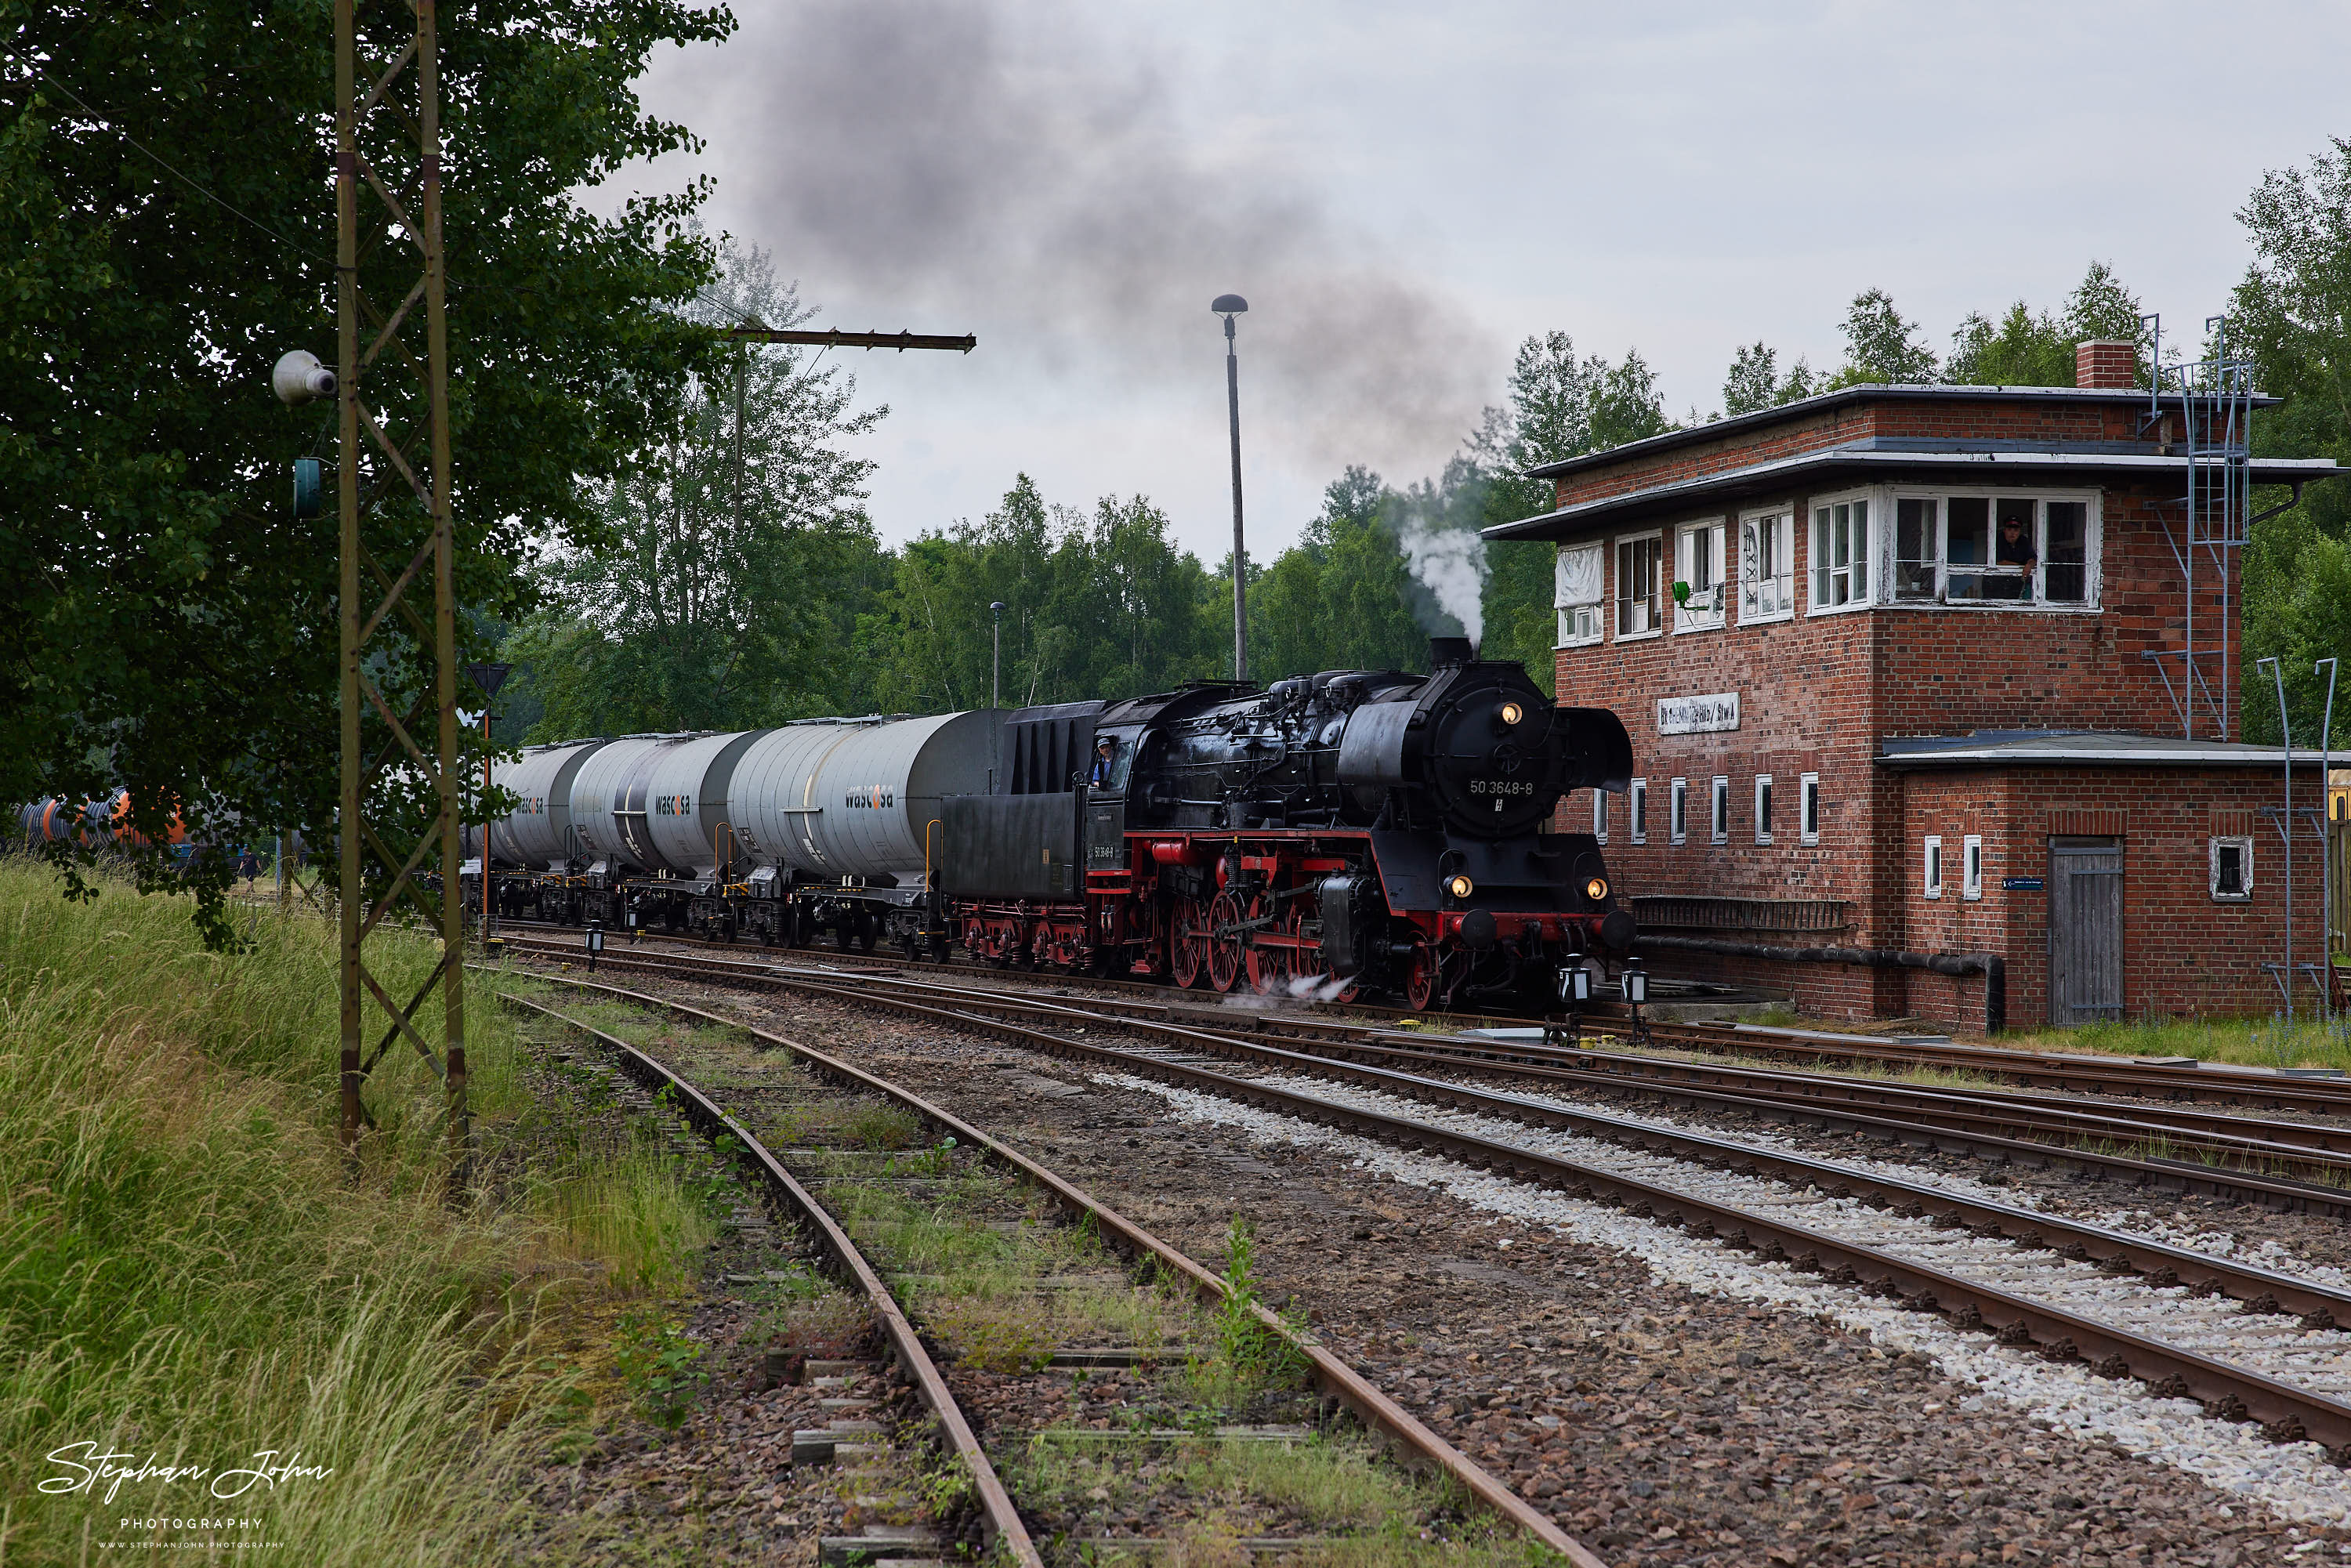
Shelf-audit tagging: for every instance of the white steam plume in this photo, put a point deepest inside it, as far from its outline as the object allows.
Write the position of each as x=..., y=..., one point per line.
x=1452, y=563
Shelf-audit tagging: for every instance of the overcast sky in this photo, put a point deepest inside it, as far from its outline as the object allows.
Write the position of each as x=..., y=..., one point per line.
x=1404, y=193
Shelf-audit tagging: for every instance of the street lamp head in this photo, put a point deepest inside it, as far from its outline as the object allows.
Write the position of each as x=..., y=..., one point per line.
x=1230, y=304
x=997, y=606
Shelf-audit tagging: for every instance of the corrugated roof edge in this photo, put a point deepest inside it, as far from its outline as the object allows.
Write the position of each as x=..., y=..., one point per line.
x=2078, y=749
x=1822, y=400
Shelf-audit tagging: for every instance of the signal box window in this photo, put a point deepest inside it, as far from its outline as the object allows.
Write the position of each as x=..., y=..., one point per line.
x=1677, y=812
x=1698, y=562
x=1579, y=592
x=2232, y=870
x=1719, y=817
x=1637, y=588
x=1767, y=569
x=1934, y=867
x=1808, y=808
x=1638, y=827
x=1600, y=815
x=1840, y=555
x=1763, y=809
x=1991, y=550
x=1971, y=867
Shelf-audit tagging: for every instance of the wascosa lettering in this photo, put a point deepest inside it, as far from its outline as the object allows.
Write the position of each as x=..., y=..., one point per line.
x=673, y=805
x=871, y=798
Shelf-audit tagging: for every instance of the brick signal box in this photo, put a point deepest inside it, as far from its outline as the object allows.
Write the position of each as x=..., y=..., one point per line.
x=1926, y=719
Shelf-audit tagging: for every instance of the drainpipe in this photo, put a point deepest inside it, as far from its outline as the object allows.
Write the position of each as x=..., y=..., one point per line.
x=1991, y=966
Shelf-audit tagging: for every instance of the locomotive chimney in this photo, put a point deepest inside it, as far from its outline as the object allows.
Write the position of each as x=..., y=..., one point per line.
x=1446, y=653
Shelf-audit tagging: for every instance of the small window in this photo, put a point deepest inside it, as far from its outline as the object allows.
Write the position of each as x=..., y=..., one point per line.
x=1677, y=812
x=1767, y=569
x=1637, y=588
x=1840, y=555
x=2065, y=570
x=1916, y=556
x=2232, y=870
x=1600, y=815
x=1580, y=593
x=1637, y=810
x=1719, y=815
x=1763, y=809
x=1934, y=866
x=1808, y=808
x=1698, y=566
x=1971, y=867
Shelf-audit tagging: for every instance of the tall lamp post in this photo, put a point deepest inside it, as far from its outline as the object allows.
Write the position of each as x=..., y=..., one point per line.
x=995, y=671
x=1229, y=305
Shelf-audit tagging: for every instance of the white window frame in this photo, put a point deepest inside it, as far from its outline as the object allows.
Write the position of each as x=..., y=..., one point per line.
x=2243, y=845
x=1779, y=521
x=1677, y=812
x=1820, y=600
x=1711, y=614
x=1582, y=622
x=2092, y=547
x=1762, y=808
x=1808, y=808
x=1636, y=826
x=1931, y=865
x=1600, y=815
x=1971, y=867
x=1718, y=809
x=1616, y=586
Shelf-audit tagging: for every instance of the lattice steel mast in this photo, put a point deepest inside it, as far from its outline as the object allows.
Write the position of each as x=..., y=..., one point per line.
x=361, y=840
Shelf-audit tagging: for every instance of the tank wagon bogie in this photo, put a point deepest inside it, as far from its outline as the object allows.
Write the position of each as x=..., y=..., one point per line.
x=1345, y=831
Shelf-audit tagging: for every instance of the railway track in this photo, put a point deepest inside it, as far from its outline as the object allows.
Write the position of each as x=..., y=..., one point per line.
x=2294, y=1166
x=2181, y=1322
x=2175, y=1080
x=1006, y=1528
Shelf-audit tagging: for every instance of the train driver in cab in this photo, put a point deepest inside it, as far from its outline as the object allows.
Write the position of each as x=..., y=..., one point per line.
x=1105, y=757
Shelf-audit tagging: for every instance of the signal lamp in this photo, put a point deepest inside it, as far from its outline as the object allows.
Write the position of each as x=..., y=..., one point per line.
x=1597, y=889
x=1459, y=886
x=1637, y=982
x=1512, y=713
x=1575, y=984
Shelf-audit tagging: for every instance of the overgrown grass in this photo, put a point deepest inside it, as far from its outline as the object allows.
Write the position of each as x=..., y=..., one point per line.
x=188, y=1273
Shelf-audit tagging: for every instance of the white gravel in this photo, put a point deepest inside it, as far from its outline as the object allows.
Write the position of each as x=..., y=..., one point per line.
x=2293, y=1481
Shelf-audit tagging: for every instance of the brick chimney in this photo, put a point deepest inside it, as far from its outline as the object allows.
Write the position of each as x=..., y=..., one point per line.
x=2106, y=363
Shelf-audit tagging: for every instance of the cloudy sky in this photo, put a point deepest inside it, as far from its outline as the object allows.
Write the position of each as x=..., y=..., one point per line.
x=1404, y=193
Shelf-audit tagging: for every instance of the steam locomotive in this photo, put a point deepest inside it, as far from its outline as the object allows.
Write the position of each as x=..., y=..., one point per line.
x=1346, y=832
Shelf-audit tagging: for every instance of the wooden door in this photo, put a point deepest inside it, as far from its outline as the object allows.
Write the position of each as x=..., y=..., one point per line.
x=2085, y=930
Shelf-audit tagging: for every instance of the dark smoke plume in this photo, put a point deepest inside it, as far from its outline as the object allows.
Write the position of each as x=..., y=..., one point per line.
x=986, y=164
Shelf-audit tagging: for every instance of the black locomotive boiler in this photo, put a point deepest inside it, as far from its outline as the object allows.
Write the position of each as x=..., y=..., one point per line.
x=1339, y=831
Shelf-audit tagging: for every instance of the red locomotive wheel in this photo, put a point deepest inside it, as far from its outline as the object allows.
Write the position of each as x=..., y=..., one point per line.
x=1269, y=968
x=1223, y=952
x=1187, y=941
x=1420, y=976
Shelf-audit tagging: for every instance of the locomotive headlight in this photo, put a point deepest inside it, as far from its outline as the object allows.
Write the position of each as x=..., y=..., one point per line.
x=1597, y=889
x=1459, y=886
x=1512, y=713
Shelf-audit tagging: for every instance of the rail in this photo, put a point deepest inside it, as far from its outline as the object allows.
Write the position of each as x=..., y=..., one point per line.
x=1333, y=1376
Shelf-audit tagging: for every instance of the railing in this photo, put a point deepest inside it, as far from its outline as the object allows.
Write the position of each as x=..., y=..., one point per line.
x=1674, y=912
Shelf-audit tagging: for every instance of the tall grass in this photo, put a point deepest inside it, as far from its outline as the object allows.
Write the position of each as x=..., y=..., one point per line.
x=188, y=1273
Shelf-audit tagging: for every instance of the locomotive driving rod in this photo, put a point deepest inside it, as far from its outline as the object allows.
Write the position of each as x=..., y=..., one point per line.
x=1991, y=966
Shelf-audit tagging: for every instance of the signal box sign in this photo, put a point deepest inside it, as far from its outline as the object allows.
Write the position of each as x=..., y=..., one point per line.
x=1699, y=715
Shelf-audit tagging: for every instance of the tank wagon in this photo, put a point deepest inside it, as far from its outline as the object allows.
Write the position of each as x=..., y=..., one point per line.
x=1345, y=831
x=782, y=835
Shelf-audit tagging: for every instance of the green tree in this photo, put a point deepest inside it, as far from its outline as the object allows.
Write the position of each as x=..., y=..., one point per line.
x=2029, y=349
x=696, y=610
x=169, y=627
x=1881, y=345
x=1754, y=382
x=2292, y=314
